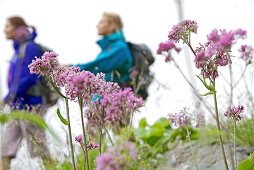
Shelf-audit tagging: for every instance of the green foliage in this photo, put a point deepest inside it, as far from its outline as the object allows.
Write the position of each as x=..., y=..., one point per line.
x=158, y=135
x=208, y=87
x=247, y=164
x=63, y=120
x=79, y=161
x=27, y=116
x=22, y=115
x=244, y=132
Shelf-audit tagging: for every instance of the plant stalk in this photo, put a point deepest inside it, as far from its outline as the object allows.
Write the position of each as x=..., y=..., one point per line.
x=84, y=131
x=194, y=157
x=218, y=127
x=235, y=143
x=70, y=136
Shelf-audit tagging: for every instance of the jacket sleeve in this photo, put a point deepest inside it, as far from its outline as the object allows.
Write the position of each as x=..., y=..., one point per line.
x=111, y=60
x=23, y=80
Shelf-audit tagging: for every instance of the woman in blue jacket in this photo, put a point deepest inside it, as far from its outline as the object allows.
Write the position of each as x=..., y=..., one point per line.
x=19, y=82
x=115, y=59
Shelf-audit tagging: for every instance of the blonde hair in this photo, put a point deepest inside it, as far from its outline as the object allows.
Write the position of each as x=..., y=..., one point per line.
x=114, y=18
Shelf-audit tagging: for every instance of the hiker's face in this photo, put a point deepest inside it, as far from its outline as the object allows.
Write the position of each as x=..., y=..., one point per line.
x=105, y=27
x=9, y=30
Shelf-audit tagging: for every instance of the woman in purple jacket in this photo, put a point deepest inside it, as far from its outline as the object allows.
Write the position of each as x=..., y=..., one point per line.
x=20, y=82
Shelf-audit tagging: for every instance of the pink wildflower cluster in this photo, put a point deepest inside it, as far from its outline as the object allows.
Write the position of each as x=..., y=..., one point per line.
x=182, y=31
x=246, y=53
x=235, y=112
x=80, y=85
x=200, y=120
x=91, y=145
x=79, y=139
x=167, y=47
x=216, y=52
x=117, y=157
x=44, y=65
x=183, y=118
x=120, y=104
x=180, y=119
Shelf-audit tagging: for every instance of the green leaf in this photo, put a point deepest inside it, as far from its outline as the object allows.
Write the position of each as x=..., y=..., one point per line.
x=143, y=123
x=247, y=164
x=162, y=123
x=63, y=120
x=208, y=93
x=4, y=118
x=210, y=87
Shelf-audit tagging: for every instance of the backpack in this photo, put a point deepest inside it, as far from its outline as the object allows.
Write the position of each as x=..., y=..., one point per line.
x=142, y=58
x=42, y=88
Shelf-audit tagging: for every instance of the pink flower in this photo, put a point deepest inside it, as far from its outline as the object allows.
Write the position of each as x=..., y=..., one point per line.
x=166, y=46
x=106, y=162
x=235, y=112
x=120, y=104
x=246, y=53
x=79, y=139
x=45, y=65
x=117, y=157
x=180, y=119
x=213, y=36
x=182, y=30
x=240, y=33
x=92, y=146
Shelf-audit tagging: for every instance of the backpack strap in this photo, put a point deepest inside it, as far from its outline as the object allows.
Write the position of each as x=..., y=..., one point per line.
x=22, y=50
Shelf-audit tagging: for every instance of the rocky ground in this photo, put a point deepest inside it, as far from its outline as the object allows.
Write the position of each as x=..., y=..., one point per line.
x=209, y=157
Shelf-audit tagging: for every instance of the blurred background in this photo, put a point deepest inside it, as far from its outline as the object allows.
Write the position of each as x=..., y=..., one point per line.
x=69, y=28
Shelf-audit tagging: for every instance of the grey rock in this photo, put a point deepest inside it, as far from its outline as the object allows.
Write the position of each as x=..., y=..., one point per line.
x=209, y=157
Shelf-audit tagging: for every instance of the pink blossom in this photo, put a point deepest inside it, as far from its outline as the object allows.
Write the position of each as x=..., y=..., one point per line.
x=213, y=36
x=246, y=53
x=120, y=104
x=44, y=65
x=240, y=33
x=201, y=59
x=180, y=119
x=106, y=162
x=117, y=157
x=79, y=139
x=182, y=30
x=92, y=146
x=166, y=46
x=235, y=112
x=200, y=120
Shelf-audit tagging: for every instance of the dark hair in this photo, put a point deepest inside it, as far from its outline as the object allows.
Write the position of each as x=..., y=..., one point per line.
x=17, y=21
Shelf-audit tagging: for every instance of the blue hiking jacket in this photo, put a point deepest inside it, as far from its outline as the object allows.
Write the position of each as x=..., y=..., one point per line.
x=19, y=77
x=114, y=57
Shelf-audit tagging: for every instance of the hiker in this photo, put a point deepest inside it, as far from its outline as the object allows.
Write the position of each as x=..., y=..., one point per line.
x=21, y=83
x=115, y=59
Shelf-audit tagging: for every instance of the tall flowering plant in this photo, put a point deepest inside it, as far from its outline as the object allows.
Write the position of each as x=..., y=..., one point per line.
x=235, y=113
x=184, y=119
x=103, y=101
x=215, y=53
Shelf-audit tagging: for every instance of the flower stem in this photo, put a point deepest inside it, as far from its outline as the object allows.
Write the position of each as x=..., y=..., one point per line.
x=70, y=136
x=84, y=131
x=194, y=89
x=194, y=157
x=235, y=143
x=100, y=129
x=108, y=135
x=218, y=127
